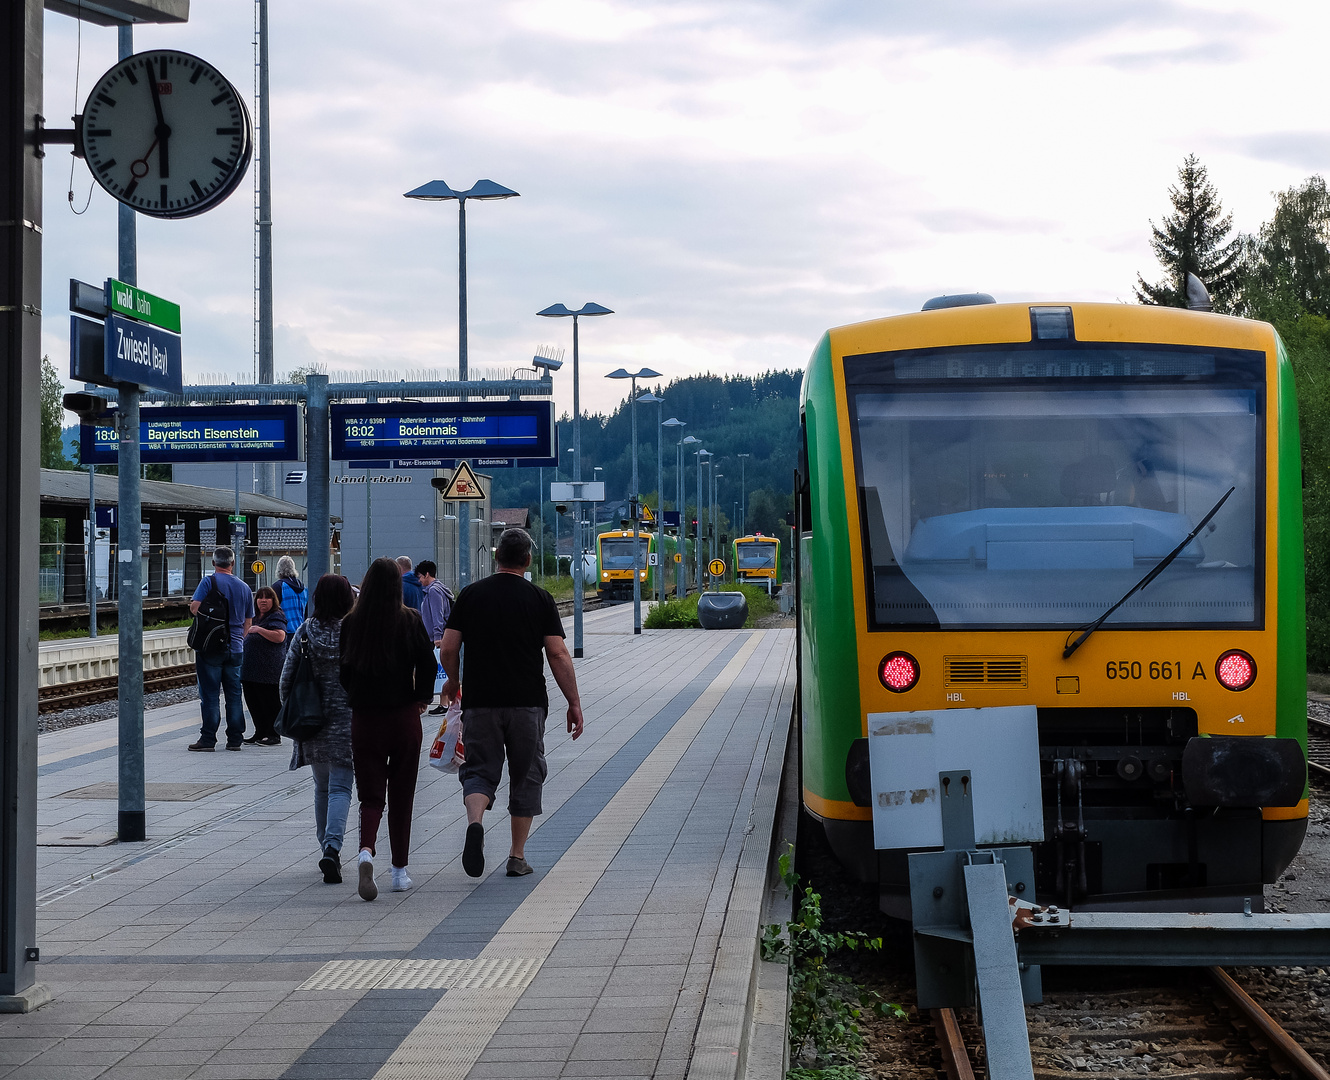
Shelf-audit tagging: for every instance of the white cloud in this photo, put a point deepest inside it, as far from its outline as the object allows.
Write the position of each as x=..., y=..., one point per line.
x=730, y=178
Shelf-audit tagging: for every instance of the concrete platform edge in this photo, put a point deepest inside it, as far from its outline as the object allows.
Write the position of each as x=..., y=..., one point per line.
x=34, y=997
x=727, y=1028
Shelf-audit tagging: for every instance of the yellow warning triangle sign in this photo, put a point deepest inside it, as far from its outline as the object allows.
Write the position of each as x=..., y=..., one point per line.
x=464, y=484
x=648, y=518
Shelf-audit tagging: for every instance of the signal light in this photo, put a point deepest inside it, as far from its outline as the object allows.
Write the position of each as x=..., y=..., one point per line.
x=1235, y=670
x=898, y=672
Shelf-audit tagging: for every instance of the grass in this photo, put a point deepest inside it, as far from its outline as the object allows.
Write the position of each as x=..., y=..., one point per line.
x=1319, y=684
x=107, y=631
x=682, y=614
x=561, y=588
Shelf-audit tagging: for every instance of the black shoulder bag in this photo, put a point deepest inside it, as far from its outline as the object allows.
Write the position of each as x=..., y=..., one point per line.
x=301, y=715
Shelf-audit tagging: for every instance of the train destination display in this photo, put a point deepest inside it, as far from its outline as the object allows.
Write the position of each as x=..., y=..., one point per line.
x=204, y=433
x=401, y=432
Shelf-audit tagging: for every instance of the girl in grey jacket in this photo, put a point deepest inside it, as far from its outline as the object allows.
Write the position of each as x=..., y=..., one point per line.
x=328, y=753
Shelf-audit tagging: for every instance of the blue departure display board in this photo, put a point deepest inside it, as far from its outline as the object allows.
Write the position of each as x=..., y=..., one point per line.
x=203, y=433
x=401, y=432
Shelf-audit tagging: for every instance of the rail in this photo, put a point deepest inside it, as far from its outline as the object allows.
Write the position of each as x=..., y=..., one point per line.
x=1318, y=746
x=1287, y=1056
x=90, y=691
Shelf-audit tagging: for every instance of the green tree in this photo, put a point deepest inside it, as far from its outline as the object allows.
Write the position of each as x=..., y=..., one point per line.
x=53, y=418
x=1194, y=238
x=1307, y=339
x=1288, y=261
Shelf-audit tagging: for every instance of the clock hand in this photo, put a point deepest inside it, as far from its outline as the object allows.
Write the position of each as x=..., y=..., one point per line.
x=162, y=132
x=134, y=165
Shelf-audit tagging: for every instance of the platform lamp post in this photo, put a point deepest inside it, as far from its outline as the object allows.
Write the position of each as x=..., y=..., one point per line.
x=595, y=511
x=651, y=399
x=676, y=423
x=700, y=454
x=743, y=496
x=562, y=311
x=645, y=373
x=439, y=191
x=716, y=551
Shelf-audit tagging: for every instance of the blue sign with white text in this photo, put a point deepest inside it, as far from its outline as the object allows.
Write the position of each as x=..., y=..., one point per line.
x=135, y=352
x=410, y=431
x=451, y=463
x=203, y=433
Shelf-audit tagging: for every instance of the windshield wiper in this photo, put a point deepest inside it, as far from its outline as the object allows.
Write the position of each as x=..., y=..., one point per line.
x=1154, y=573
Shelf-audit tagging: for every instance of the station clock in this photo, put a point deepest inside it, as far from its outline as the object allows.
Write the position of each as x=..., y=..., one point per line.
x=166, y=133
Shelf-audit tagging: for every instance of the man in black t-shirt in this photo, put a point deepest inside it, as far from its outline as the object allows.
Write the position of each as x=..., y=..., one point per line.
x=505, y=623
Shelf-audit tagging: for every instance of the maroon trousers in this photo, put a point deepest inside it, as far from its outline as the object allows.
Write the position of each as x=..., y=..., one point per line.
x=385, y=750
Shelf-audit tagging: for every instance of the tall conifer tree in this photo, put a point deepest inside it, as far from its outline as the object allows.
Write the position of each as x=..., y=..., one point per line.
x=1194, y=238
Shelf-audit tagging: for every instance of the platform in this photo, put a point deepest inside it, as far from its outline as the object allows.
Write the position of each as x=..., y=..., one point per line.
x=215, y=950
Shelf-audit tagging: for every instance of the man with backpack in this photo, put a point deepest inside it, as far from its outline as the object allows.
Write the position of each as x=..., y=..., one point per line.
x=222, y=607
x=291, y=592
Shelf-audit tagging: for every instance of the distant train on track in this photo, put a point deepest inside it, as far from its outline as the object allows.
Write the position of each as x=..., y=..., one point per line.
x=614, y=563
x=981, y=488
x=757, y=561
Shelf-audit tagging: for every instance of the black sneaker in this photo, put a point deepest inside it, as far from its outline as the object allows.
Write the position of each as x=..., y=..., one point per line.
x=202, y=747
x=473, y=854
x=235, y=746
x=331, y=865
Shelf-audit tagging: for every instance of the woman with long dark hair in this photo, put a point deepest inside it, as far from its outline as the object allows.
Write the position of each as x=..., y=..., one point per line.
x=261, y=666
x=328, y=751
x=387, y=668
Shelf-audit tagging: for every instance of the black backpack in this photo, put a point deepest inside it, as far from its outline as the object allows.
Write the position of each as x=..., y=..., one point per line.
x=210, y=632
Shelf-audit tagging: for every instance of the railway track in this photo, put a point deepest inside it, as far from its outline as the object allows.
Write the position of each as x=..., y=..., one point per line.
x=1191, y=1031
x=1318, y=747
x=90, y=691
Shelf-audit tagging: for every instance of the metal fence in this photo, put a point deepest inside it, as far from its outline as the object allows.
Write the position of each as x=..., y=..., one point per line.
x=168, y=569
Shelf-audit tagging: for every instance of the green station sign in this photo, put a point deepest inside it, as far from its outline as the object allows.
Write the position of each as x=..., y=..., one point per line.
x=134, y=303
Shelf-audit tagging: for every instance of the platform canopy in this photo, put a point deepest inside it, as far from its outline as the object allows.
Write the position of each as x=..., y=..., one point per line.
x=63, y=491
x=122, y=12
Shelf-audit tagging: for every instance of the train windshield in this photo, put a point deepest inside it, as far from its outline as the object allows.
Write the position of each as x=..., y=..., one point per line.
x=616, y=553
x=1038, y=505
x=756, y=556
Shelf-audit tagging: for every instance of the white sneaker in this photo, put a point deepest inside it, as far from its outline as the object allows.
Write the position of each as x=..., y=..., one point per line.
x=401, y=882
x=366, y=887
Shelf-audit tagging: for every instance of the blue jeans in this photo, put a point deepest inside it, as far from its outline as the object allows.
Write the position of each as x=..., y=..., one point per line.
x=332, y=802
x=215, y=675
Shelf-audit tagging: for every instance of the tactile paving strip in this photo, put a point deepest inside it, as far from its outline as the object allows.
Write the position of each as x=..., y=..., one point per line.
x=489, y=973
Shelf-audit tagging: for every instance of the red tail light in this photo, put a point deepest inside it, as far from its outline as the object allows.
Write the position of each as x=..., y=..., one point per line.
x=1235, y=670
x=899, y=671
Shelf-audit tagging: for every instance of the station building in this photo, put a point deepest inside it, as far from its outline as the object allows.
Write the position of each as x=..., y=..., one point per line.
x=382, y=512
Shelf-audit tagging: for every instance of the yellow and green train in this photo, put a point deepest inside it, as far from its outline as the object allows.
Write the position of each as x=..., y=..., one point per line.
x=757, y=560
x=614, y=563
x=980, y=484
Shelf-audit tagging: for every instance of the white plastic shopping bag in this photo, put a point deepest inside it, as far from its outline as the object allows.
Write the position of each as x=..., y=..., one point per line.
x=447, y=752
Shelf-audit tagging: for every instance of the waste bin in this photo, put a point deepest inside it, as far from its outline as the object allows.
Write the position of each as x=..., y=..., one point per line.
x=722, y=610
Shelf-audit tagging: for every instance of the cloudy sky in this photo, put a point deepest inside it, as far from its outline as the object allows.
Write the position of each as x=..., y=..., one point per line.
x=731, y=177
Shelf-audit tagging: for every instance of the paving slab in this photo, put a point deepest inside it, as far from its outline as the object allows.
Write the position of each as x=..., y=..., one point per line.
x=214, y=949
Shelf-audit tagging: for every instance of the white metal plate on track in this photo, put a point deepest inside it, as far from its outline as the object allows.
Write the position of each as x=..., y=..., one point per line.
x=489, y=973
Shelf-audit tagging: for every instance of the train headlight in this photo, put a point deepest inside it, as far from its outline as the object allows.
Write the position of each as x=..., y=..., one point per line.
x=898, y=672
x=1235, y=670
x=605, y=575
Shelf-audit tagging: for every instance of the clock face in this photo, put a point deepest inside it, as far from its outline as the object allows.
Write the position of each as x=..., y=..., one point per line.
x=166, y=133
